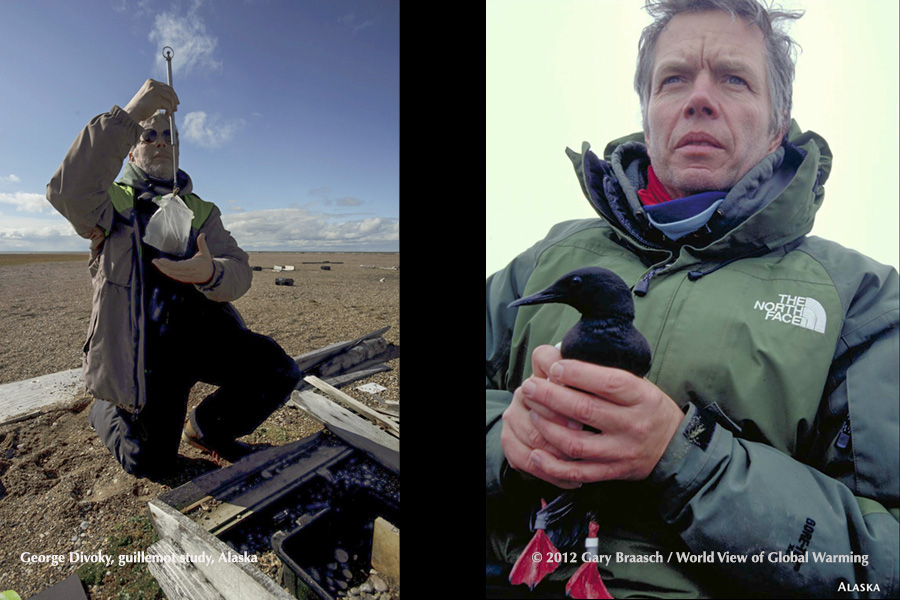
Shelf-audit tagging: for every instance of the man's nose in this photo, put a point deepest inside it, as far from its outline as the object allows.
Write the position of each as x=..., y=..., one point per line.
x=703, y=98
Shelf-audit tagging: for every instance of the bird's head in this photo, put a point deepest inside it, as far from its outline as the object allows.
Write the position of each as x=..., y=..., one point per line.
x=593, y=291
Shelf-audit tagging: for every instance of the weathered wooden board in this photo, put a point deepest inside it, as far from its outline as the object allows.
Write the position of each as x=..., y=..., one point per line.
x=23, y=397
x=357, y=406
x=311, y=359
x=346, y=360
x=350, y=377
x=393, y=416
x=386, y=550
x=229, y=579
x=355, y=430
x=180, y=581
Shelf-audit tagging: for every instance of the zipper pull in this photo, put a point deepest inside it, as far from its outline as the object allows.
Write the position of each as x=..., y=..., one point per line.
x=843, y=439
x=641, y=287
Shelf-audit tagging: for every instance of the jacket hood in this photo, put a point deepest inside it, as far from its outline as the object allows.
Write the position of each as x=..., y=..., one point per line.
x=773, y=204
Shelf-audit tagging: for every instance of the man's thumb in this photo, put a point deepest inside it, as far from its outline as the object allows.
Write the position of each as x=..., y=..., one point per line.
x=202, y=248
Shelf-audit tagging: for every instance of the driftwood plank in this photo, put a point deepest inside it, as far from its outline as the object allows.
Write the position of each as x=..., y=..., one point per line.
x=386, y=550
x=311, y=359
x=28, y=396
x=345, y=361
x=350, y=377
x=359, y=407
x=231, y=580
x=180, y=581
x=395, y=416
x=355, y=430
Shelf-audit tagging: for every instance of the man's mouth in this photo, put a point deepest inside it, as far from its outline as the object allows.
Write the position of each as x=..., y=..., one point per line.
x=698, y=139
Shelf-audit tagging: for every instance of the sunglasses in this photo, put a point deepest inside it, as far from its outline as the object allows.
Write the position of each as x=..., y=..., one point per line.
x=149, y=136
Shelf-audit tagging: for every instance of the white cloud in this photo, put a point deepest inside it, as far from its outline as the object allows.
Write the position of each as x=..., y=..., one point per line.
x=10, y=179
x=285, y=229
x=194, y=47
x=137, y=9
x=208, y=132
x=296, y=229
x=32, y=234
x=323, y=194
x=354, y=24
x=27, y=202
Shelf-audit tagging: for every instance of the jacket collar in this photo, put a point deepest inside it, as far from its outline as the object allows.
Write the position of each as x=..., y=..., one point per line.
x=773, y=204
x=144, y=184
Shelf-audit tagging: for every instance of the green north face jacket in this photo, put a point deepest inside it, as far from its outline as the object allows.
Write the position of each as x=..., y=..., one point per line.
x=782, y=349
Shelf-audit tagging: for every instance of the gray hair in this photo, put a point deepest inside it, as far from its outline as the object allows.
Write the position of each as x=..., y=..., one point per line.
x=780, y=51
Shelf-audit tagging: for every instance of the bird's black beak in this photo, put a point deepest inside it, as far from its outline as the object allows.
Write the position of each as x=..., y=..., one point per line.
x=548, y=295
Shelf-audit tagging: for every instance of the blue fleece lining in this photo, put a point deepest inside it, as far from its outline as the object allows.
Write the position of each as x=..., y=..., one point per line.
x=677, y=218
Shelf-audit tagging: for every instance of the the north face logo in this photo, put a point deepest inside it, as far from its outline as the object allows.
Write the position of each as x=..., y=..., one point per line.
x=796, y=310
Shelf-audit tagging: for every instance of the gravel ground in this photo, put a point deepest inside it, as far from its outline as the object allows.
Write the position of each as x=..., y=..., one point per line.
x=60, y=489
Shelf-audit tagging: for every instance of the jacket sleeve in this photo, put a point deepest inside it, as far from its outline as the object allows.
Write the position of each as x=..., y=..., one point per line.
x=502, y=288
x=839, y=512
x=79, y=188
x=232, y=275
x=500, y=291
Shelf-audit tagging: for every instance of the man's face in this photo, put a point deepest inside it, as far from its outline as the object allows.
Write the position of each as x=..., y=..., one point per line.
x=709, y=110
x=154, y=158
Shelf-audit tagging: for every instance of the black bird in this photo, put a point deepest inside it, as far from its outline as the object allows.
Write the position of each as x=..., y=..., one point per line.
x=605, y=335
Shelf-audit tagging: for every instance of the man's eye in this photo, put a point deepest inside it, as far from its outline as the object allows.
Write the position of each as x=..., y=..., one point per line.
x=736, y=80
x=670, y=79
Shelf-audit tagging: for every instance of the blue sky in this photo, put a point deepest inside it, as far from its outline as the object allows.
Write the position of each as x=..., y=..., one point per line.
x=289, y=114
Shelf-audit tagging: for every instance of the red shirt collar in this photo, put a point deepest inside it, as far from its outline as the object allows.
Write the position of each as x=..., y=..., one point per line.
x=655, y=192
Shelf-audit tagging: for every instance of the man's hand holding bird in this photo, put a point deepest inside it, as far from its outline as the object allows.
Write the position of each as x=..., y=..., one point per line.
x=519, y=437
x=636, y=418
x=595, y=379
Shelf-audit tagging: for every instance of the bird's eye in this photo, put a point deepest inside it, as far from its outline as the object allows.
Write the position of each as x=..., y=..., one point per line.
x=576, y=280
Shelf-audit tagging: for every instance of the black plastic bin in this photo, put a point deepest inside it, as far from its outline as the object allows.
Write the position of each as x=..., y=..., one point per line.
x=308, y=552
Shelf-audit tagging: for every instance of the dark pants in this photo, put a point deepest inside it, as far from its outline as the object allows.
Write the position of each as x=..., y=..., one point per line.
x=254, y=373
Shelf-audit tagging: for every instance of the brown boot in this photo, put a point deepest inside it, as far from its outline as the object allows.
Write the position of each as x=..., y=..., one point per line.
x=231, y=451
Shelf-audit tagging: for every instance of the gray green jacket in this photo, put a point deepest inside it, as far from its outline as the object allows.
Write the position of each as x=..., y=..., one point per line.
x=83, y=190
x=782, y=349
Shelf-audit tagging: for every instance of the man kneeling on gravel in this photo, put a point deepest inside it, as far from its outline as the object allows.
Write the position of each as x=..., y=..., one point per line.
x=162, y=321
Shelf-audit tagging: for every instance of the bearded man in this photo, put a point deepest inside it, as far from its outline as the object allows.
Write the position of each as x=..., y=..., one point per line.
x=766, y=431
x=162, y=321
